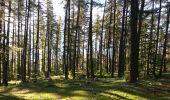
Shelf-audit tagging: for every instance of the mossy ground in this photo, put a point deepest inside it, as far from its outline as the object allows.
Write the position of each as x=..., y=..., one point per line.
x=102, y=89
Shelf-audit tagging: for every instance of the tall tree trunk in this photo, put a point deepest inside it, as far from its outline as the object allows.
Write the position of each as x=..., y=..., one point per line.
x=48, y=43
x=4, y=78
x=37, y=43
x=109, y=38
x=88, y=58
x=125, y=39
x=12, y=58
x=113, y=41
x=157, y=40
x=83, y=49
x=29, y=51
x=140, y=19
x=150, y=39
x=1, y=46
x=121, y=46
x=57, y=43
x=101, y=42
x=163, y=62
x=19, y=52
x=134, y=64
x=90, y=40
x=6, y=64
x=71, y=57
x=24, y=55
x=64, y=47
x=75, y=43
x=68, y=37
x=33, y=44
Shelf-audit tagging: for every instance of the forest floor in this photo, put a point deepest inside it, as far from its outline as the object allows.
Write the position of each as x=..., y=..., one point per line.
x=101, y=89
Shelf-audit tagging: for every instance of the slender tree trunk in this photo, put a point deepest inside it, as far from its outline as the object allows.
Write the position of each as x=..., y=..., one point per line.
x=12, y=59
x=83, y=51
x=125, y=38
x=24, y=55
x=4, y=78
x=19, y=52
x=163, y=62
x=87, y=69
x=37, y=43
x=49, y=41
x=113, y=41
x=121, y=46
x=75, y=43
x=57, y=43
x=71, y=44
x=157, y=40
x=90, y=40
x=33, y=45
x=150, y=38
x=44, y=56
x=109, y=38
x=140, y=20
x=101, y=42
x=29, y=51
x=68, y=37
x=78, y=50
x=64, y=47
x=1, y=44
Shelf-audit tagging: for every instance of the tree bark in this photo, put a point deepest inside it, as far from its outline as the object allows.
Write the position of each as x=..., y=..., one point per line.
x=121, y=46
x=157, y=40
x=90, y=40
x=134, y=64
x=163, y=62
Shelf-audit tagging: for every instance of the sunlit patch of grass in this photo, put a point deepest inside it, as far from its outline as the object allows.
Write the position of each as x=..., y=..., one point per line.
x=80, y=95
x=37, y=96
x=125, y=95
x=14, y=82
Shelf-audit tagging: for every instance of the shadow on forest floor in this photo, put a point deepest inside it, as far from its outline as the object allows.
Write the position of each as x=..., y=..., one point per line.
x=103, y=89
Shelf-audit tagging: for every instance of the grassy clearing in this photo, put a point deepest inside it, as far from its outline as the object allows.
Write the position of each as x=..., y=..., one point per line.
x=103, y=89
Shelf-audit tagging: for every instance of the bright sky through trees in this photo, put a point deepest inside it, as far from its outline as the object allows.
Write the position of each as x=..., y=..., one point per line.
x=59, y=8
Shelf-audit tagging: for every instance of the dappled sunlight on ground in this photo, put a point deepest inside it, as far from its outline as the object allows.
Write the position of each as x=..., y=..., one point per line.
x=102, y=89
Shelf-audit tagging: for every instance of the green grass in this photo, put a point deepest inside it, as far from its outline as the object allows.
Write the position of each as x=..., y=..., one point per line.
x=103, y=89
